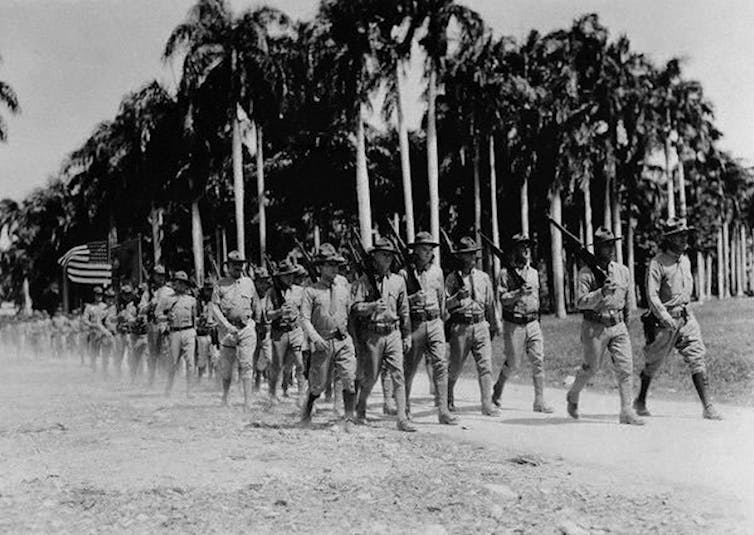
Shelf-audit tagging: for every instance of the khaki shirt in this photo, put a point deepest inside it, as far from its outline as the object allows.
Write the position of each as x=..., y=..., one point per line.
x=94, y=314
x=159, y=300
x=325, y=308
x=433, y=285
x=669, y=283
x=481, y=299
x=111, y=318
x=510, y=299
x=183, y=309
x=392, y=290
x=590, y=295
x=236, y=299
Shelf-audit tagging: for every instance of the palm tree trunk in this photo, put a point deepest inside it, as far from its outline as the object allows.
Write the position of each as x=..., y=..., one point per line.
x=701, y=277
x=493, y=207
x=408, y=201
x=681, y=186
x=669, y=178
x=362, y=182
x=197, y=242
x=112, y=233
x=617, y=224
x=741, y=261
x=261, y=199
x=525, y=206
x=238, y=193
x=477, y=191
x=607, y=216
x=317, y=238
x=708, y=270
x=726, y=261
x=630, y=259
x=28, y=305
x=556, y=250
x=720, y=264
x=432, y=163
x=588, y=224
x=155, y=219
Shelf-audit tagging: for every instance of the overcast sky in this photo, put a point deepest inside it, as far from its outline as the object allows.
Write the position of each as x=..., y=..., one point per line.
x=71, y=61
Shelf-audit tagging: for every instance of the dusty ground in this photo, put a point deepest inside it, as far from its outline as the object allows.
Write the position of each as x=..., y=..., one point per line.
x=81, y=455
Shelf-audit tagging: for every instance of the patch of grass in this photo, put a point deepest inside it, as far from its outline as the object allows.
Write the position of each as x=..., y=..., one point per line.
x=728, y=331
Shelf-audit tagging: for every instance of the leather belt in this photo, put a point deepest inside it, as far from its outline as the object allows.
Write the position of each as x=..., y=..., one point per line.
x=607, y=321
x=467, y=319
x=419, y=316
x=283, y=327
x=338, y=335
x=178, y=329
x=519, y=319
x=679, y=312
x=382, y=328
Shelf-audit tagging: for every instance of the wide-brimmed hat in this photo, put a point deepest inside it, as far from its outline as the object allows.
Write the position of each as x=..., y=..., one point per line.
x=284, y=267
x=158, y=270
x=260, y=272
x=423, y=238
x=604, y=235
x=675, y=226
x=110, y=292
x=97, y=290
x=465, y=245
x=384, y=245
x=126, y=289
x=183, y=277
x=522, y=239
x=208, y=284
x=327, y=254
x=234, y=257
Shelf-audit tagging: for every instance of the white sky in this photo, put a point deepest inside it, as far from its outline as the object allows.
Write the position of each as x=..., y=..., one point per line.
x=71, y=61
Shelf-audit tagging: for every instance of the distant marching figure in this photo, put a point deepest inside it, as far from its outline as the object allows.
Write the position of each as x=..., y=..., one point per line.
x=94, y=313
x=606, y=310
x=180, y=314
x=669, y=287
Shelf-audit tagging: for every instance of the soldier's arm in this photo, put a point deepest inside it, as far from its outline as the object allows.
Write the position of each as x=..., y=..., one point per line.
x=490, y=311
x=507, y=296
x=217, y=312
x=588, y=298
x=360, y=306
x=307, y=306
x=654, y=280
x=441, y=293
x=629, y=307
x=451, y=290
x=403, y=309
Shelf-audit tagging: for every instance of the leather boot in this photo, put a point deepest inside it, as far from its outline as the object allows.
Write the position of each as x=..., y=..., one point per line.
x=640, y=403
x=306, y=412
x=485, y=385
x=539, y=396
x=627, y=414
x=338, y=397
x=451, y=401
x=388, y=395
x=443, y=414
x=572, y=406
x=701, y=383
x=497, y=390
x=400, y=404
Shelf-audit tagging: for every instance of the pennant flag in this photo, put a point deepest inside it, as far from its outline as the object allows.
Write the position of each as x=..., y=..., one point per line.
x=88, y=264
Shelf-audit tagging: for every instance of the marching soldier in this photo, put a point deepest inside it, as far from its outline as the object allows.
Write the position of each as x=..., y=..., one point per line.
x=325, y=309
x=109, y=333
x=122, y=337
x=385, y=313
x=606, y=310
x=287, y=334
x=181, y=318
x=427, y=308
x=205, y=331
x=60, y=328
x=157, y=336
x=94, y=313
x=138, y=327
x=263, y=351
x=522, y=332
x=669, y=285
x=234, y=302
x=472, y=322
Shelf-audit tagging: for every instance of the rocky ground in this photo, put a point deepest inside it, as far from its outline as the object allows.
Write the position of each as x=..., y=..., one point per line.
x=78, y=454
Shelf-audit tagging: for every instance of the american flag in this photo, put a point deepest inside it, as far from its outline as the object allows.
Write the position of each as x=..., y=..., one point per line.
x=88, y=264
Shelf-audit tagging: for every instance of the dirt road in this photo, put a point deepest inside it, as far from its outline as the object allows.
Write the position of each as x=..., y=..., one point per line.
x=81, y=455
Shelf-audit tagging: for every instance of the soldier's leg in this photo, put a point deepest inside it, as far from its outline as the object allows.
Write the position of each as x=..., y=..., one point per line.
x=274, y=376
x=138, y=347
x=460, y=346
x=481, y=349
x=691, y=347
x=120, y=351
x=437, y=354
x=175, y=346
x=94, y=346
x=106, y=351
x=247, y=342
x=535, y=350
x=202, y=355
x=154, y=354
x=593, y=344
x=226, y=364
x=345, y=370
x=188, y=352
x=319, y=369
x=619, y=346
x=388, y=392
x=371, y=362
x=514, y=345
x=411, y=361
x=393, y=361
x=654, y=355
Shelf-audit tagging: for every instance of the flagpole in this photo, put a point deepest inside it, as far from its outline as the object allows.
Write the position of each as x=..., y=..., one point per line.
x=66, y=298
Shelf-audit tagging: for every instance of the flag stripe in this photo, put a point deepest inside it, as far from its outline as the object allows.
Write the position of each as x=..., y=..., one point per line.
x=90, y=272
x=88, y=264
x=86, y=280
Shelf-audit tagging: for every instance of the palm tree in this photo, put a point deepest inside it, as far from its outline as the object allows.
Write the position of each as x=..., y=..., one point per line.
x=9, y=100
x=226, y=54
x=438, y=15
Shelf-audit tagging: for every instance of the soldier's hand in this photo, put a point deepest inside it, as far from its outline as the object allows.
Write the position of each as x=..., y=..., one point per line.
x=609, y=288
x=380, y=306
x=463, y=293
x=418, y=299
x=670, y=323
x=407, y=344
x=319, y=343
x=526, y=289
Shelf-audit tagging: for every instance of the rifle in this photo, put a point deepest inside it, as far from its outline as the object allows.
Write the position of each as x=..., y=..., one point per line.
x=364, y=262
x=588, y=258
x=307, y=260
x=404, y=256
x=278, y=292
x=504, y=260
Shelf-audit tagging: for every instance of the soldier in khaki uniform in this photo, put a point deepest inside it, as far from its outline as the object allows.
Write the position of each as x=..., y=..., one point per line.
x=427, y=308
x=110, y=321
x=138, y=326
x=180, y=314
x=606, y=310
x=234, y=302
x=325, y=308
x=522, y=333
x=122, y=327
x=263, y=351
x=205, y=331
x=472, y=322
x=287, y=334
x=669, y=286
x=158, y=331
x=92, y=318
x=384, y=312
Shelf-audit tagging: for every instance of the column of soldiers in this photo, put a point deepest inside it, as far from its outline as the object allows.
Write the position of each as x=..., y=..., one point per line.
x=320, y=330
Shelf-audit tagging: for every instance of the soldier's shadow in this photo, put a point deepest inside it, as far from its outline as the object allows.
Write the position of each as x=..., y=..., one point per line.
x=602, y=419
